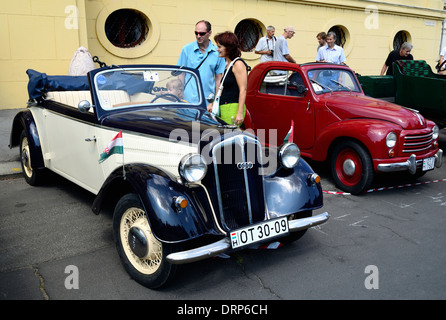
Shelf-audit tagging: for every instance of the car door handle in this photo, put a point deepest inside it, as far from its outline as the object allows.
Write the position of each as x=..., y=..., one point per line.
x=91, y=139
x=308, y=105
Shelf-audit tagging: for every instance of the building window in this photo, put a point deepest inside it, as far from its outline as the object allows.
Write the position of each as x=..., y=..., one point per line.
x=126, y=28
x=399, y=39
x=341, y=35
x=248, y=33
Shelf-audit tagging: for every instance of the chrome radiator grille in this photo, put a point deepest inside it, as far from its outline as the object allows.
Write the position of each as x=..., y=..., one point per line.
x=239, y=184
x=417, y=142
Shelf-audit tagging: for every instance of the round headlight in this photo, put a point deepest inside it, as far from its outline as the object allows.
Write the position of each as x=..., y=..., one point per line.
x=435, y=132
x=289, y=155
x=391, y=140
x=192, y=168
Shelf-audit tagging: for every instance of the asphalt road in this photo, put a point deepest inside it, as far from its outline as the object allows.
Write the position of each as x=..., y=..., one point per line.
x=385, y=244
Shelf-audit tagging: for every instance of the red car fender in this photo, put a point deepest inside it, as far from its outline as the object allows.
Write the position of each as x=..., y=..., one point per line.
x=371, y=133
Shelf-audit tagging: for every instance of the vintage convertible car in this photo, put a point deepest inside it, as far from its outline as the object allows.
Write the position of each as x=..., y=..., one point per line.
x=184, y=185
x=333, y=120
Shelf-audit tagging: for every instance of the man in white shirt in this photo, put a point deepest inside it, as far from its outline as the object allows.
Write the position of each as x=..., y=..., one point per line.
x=331, y=52
x=281, y=52
x=265, y=46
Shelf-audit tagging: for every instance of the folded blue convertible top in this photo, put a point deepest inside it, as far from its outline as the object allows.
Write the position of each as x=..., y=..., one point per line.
x=40, y=83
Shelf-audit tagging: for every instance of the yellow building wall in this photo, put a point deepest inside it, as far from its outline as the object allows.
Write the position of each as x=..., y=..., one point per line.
x=44, y=34
x=36, y=34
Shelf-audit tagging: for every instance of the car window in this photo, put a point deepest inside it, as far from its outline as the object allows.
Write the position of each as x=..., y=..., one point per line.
x=129, y=87
x=331, y=80
x=284, y=83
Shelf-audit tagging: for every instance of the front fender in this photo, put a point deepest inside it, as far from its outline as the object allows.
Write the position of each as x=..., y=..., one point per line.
x=291, y=190
x=157, y=191
x=371, y=133
x=24, y=120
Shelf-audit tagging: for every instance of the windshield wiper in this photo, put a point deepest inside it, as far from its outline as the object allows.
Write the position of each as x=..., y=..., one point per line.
x=320, y=84
x=341, y=85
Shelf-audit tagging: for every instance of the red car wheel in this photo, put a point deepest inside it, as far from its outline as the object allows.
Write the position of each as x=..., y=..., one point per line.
x=352, y=167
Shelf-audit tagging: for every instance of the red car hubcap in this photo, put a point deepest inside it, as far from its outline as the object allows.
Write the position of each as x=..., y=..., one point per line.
x=349, y=167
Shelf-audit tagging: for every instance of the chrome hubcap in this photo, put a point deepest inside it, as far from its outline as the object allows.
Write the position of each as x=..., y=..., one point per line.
x=349, y=167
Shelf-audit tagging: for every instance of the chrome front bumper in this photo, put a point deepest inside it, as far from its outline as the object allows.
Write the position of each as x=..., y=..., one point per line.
x=223, y=245
x=410, y=165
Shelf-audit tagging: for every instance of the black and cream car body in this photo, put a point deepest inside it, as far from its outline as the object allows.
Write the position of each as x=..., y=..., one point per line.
x=186, y=187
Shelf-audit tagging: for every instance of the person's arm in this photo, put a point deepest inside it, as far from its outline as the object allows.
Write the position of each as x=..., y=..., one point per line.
x=387, y=63
x=262, y=47
x=217, y=78
x=241, y=76
x=268, y=52
x=342, y=57
x=289, y=58
x=383, y=69
x=319, y=56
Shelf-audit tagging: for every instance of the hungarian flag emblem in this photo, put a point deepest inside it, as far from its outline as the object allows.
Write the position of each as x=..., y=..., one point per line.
x=115, y=146
x=290, y=135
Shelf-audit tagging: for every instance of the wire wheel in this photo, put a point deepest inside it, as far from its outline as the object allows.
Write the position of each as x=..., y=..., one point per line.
x=151, y=261
x=142, y=254
x=33, y=176
x=25, y=157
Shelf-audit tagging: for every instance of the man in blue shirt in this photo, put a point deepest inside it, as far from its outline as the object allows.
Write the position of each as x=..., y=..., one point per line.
x=331, y=52
x=202, y=54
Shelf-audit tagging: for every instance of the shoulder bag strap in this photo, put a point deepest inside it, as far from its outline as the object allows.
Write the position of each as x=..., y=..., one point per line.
x=203, y=60
x=187, y=82
x=224, y=76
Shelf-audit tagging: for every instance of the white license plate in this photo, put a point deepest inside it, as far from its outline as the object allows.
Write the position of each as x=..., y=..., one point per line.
x=259, y=232
x=428, y=163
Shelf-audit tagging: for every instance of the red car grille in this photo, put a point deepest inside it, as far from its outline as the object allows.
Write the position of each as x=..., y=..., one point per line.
x=414, y=143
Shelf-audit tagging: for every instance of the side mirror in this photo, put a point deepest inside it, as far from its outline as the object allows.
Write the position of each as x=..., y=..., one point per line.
x=302, y=90
x=210, y=98
x=84, y=106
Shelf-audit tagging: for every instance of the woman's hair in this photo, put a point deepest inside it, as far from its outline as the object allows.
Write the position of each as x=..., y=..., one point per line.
x=230, y=42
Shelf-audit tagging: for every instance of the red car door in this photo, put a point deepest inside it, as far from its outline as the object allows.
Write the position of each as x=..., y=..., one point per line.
x=282, y=96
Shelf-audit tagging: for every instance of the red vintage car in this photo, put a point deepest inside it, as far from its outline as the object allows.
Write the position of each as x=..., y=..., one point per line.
x=334, y=121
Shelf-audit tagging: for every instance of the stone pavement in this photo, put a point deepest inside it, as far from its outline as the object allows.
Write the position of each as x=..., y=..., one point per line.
x=9, y=158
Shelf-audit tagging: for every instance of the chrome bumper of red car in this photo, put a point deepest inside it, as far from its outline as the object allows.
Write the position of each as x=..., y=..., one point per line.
x=410, y=165
x=224, y=245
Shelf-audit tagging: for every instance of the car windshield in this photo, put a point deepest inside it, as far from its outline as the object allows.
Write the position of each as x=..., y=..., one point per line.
x=331, y=80
x=129, y=87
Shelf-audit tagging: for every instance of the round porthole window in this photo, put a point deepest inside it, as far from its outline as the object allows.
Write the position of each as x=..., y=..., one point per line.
x=126, y=28
x=399, y=39
x=341, y=35
x=248, y=33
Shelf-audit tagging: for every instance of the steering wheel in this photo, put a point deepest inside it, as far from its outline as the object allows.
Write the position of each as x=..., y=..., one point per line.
x=168, y=96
